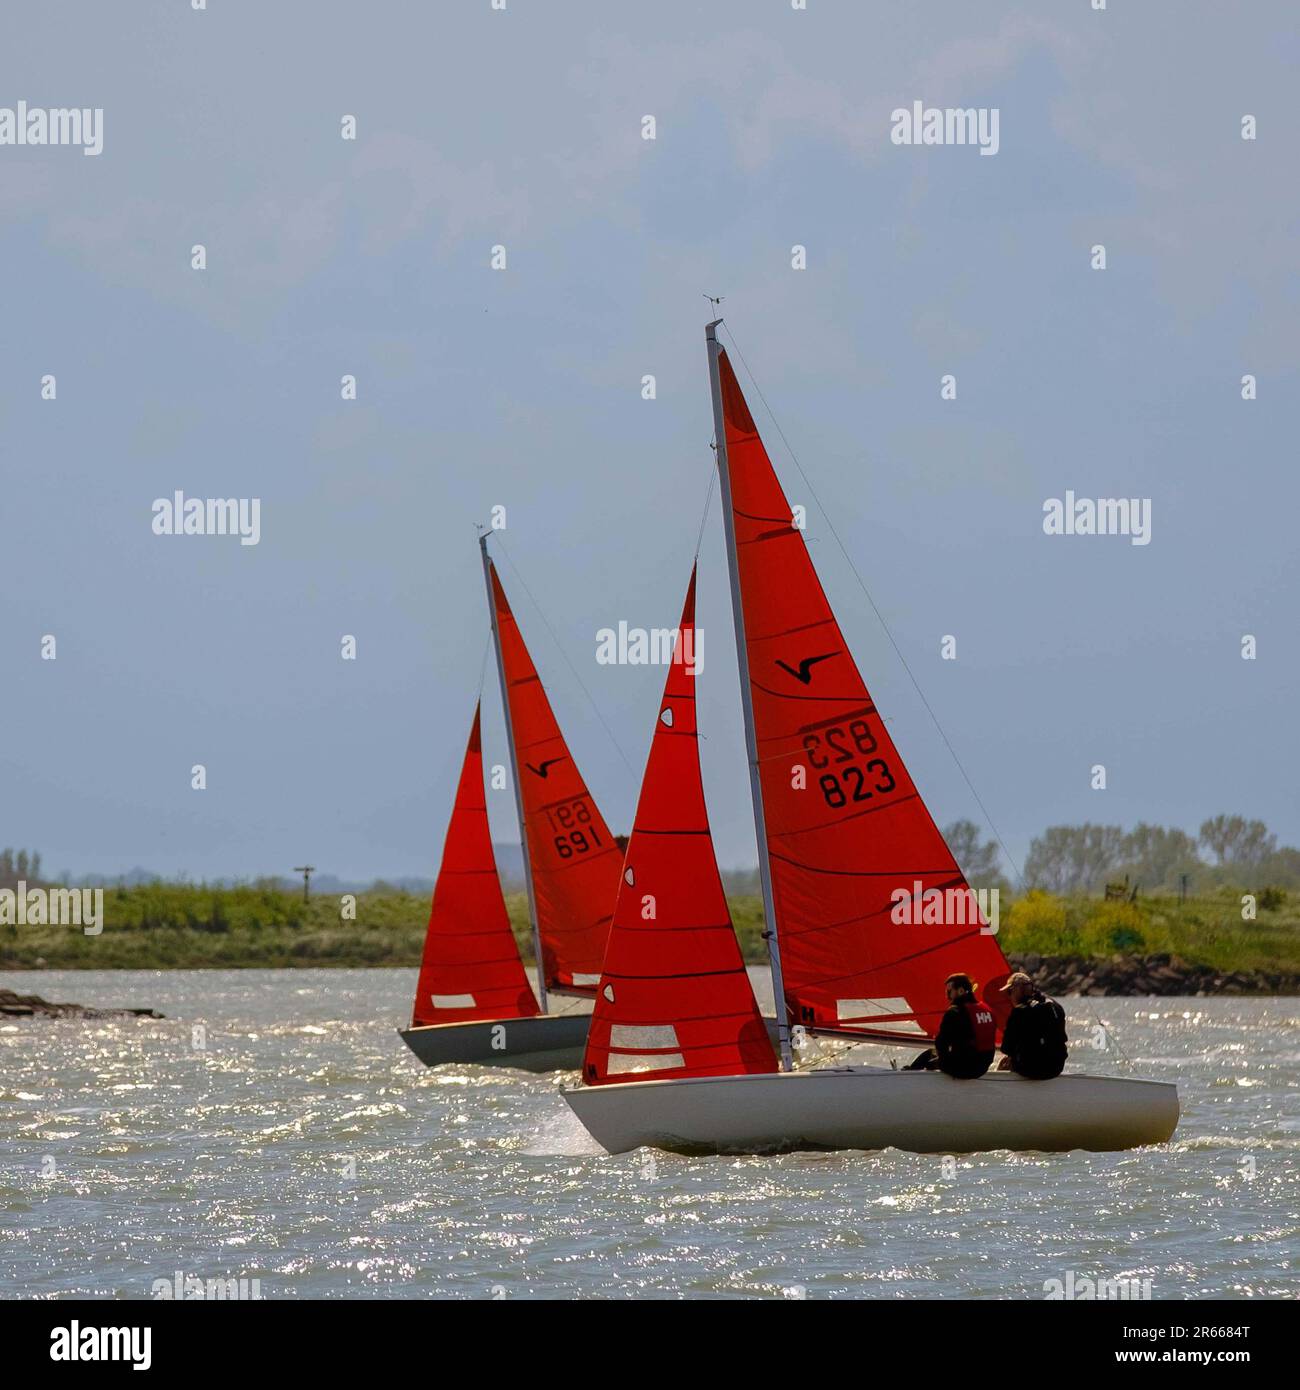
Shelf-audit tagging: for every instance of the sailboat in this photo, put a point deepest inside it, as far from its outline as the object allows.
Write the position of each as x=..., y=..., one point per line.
x=867, y=910
x=473, y=1000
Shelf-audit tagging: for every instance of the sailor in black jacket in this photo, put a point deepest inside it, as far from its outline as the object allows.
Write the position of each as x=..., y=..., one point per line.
x=1034, y=1039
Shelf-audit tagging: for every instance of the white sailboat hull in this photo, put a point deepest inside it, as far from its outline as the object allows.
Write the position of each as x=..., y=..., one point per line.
x=871, y=1108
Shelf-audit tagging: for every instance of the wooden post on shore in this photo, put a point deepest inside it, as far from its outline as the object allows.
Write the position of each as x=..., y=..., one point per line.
x=306, y=870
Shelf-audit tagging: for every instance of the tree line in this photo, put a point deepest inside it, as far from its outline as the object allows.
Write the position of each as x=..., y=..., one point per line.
x=19, y=866
x=1227, y=850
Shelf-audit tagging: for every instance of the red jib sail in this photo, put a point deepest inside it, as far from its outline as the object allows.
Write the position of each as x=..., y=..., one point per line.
x=471, y=967
x=574, y=860
x=674, y=998
x=872, y=912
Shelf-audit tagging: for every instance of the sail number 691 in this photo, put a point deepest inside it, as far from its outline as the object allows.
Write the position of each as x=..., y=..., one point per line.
x=577, y=833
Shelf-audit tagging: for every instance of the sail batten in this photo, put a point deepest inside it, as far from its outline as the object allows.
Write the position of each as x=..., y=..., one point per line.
x=674, y=998
x=471, y=968
x=840, y=812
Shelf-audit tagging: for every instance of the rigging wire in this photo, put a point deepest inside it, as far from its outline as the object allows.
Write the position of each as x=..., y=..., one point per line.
x=916, y=685
x=482, y=666
x=880, y=617
x=556, y=642
x=708, y=499
x=821, y=1059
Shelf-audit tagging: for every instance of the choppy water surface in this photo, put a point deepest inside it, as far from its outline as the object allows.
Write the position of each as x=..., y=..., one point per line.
x=303, y=1145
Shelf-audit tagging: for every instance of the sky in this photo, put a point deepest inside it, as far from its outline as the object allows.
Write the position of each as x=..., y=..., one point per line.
x=522, y=388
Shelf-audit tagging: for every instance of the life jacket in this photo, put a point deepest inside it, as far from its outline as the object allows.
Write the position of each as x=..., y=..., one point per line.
x=984, y=1031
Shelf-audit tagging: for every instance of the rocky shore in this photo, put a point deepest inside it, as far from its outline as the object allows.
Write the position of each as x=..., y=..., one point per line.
x=33, y=1006
x=1141, y=975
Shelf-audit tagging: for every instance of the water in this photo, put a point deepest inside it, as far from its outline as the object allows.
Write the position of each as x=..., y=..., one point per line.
x=128, y=1153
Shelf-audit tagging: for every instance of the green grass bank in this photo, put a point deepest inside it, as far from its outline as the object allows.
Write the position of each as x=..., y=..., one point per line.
x=162, y=926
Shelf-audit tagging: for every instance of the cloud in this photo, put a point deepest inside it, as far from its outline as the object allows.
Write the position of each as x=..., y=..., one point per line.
x=975, y=61
x=451, y=199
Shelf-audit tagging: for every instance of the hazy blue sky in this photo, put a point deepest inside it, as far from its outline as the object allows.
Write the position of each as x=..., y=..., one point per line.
x=523, y=388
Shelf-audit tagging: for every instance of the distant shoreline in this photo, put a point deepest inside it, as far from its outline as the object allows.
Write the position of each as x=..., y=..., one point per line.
x=1130, y=977
x=1070, y=945
x=1143, y=977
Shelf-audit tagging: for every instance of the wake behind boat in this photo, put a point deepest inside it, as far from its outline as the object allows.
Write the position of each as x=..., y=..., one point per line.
x=673, y=1057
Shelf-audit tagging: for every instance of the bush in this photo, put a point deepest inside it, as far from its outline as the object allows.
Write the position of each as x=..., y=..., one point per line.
x=1038, y=923
x=1113, y=926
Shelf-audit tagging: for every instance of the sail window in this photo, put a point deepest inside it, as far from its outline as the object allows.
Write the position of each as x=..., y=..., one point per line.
x=646, y=1045
x=643, y=1037
x=852, y=1012
x=620, y=1063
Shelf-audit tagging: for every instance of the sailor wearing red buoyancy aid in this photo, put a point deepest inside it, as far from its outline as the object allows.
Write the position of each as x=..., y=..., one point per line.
x=967, y=1036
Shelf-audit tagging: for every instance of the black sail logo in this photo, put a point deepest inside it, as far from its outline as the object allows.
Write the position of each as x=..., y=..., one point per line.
x=545, y=768
x=803, y=672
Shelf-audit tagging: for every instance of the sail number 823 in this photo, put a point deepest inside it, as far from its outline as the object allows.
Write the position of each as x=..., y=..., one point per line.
x=848, y=744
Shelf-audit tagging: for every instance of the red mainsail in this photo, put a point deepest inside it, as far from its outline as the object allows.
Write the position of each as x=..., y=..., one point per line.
x=674, y=998
x=573, y=858
x=471, y=967
x=872, y=912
